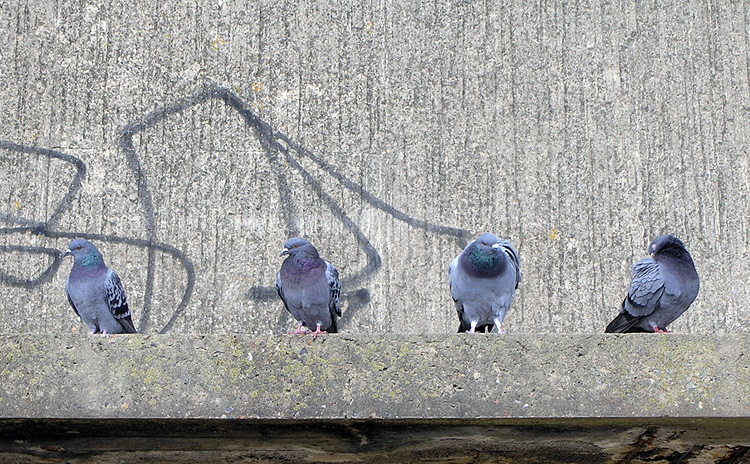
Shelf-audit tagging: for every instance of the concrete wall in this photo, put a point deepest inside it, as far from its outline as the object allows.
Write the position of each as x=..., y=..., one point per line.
x=189, y=140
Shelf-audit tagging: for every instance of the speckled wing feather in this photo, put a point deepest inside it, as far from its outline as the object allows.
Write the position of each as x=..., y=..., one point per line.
x=512, y=255
x=643, y=296
x=645, y=290
x=334, y=305
x=117, y=301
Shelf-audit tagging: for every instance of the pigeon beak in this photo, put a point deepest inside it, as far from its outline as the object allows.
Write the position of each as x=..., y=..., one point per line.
x=67, y=253
x=285, y=251
x=495, y=245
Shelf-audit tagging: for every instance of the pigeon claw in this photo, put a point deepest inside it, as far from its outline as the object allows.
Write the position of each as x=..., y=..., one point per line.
x=661, y=331
x=300, y=331
x=318, y=332
x=499, y=326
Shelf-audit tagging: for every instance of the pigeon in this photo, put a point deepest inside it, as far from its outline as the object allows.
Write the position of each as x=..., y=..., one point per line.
x=483, y=282
x=663, y=288
x=309, y=287
x=95, y=291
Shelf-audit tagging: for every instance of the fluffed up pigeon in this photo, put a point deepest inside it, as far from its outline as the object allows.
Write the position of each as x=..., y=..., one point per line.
x=309, y=287
x=95, y=291
x=483, y=282
x=663, y=288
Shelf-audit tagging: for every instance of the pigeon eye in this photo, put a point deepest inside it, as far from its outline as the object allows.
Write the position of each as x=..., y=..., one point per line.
x=296, y=245
x=78, y=248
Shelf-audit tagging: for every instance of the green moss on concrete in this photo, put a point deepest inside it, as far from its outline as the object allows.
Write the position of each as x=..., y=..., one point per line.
x=389, y=376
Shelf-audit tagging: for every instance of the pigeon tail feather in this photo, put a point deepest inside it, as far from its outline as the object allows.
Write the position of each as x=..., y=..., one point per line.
x=334, y=326
x=622, y=323
x=127, y=325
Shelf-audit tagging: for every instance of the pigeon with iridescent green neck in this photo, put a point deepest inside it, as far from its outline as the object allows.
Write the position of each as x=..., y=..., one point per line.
x=483, y=282
x=95, y=291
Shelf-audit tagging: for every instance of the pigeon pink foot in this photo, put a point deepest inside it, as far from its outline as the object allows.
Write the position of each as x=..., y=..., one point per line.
x=318, y=332
x=300, y=330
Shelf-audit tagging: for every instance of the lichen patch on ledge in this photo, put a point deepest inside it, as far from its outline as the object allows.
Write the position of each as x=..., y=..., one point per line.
x=377, y=376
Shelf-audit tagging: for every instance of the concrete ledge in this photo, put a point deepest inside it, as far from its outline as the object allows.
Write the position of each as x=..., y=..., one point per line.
x=380, y=376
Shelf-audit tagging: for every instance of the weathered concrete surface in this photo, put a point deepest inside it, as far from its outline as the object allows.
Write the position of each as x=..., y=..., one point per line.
x=579, y=131
x=387, y=377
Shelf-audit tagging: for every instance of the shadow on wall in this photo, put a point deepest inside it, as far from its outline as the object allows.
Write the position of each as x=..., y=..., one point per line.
x=277, y=147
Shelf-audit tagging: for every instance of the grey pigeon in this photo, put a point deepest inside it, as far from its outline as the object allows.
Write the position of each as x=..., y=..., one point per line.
x=309, y=287
x=663, y=288
x=95, y=291
x=483, y=282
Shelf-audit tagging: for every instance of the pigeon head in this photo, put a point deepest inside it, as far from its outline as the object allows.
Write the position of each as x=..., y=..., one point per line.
x=484, y=256
x=488, y=240
x=84, y=253
x=299, y=246
x=667, y=244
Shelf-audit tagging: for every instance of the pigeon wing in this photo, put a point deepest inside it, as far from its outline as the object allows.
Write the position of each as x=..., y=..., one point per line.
x=645, y=290
x=512, y=255
x=117, y=301
x=67, y=293
x=280, y=291
x=332, y=275
x=453, y=271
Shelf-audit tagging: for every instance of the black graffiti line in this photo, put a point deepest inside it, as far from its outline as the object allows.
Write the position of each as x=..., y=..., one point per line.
x=43, y=278
x=373, y=257
x=36, y=227
x=268, y=137
x=273, y=142
x=46, y=229
x=253, y=120
x=75, y=184
x=273, y=146
x=264, y=133
x=152, y=247
x=270, y=140
x=47, y=275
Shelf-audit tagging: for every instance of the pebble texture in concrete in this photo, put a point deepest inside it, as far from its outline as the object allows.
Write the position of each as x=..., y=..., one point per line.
x=189, y=140
x=386, y=377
